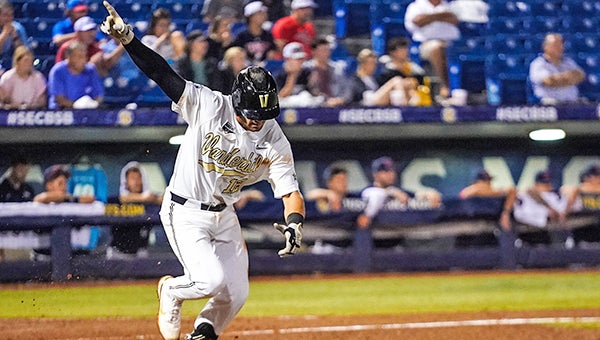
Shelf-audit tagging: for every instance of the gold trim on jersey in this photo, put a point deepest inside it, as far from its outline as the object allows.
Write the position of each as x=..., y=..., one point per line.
x=238, y=165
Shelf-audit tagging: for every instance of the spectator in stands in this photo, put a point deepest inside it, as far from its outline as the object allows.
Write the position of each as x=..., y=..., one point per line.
x=365, y=88
x=336, y=178
x=296, y=27
x=55, y=184
x=85, y=33
x=540, y=206
x=400, y=65
x=433, y=25
x=292, y=80
x=583, y=198
x=74, y=83
x=14, y=188
x=553, y=75
x=229, y=8
x=381, y=191
x=129, y=241
x=12, y=34
x=64, y=30
x=257, y=42
x=195, y=65
x=161, y=38
x=23, y=87
x=482, y=187
x=220, y=36
x=233, y=62
x=327, y=79
x=276, y=10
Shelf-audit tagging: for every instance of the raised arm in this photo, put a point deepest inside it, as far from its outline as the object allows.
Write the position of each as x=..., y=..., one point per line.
x=151, y=63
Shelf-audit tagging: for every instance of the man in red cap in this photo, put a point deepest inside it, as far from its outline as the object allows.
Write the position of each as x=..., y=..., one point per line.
x=64, y=30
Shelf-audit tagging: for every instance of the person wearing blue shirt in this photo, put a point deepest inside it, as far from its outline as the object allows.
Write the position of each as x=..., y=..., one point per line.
x=12, y=34
x=74, y=83
x=553, y=75
x=63, y=30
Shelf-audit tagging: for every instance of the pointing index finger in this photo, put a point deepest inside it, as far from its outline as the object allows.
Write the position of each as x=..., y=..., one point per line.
x=110, y=8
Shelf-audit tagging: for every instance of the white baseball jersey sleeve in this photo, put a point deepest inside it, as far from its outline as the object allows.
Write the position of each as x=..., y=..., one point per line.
x=218, y=157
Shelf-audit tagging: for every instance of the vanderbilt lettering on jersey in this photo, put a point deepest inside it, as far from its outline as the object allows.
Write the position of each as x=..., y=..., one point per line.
x=231, y=164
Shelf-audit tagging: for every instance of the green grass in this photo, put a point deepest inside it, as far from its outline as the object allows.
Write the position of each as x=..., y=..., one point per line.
x=330, y=296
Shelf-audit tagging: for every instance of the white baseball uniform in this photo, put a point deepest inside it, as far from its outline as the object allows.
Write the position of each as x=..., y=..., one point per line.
x=216, y=160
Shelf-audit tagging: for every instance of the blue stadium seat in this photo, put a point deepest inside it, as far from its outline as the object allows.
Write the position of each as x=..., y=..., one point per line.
x=352, y=17
x=547, y=24
x=273, y=65
x=510, y=44
x=44, y=9
x=44, y=63
x=136, y=10
x=582, y=24
x=583, y=43
x=506, y=78
x=581, y=8
x=466, y=64
x=589, y=62
x=42, y=46
x=471, y=29
x=388, y=28
x=590, y=87
x=18, y=9
x=40, y=28
x=547, y=8
x=509, y=25
x=180, y=10
x=508, y=8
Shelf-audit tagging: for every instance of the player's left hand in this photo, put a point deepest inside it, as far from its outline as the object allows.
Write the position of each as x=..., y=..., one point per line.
x=293, y=237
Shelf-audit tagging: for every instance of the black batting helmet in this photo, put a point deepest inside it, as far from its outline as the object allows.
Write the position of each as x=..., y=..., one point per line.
x=254, y=94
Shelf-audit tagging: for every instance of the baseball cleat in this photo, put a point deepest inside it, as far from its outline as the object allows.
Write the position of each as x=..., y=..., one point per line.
x=204, y=331
x=169, y=312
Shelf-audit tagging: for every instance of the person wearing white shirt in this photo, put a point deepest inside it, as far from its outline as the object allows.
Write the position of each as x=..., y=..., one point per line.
x=433, y=24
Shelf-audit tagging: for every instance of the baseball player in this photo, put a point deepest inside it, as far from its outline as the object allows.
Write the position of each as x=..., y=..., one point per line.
x=231, y=142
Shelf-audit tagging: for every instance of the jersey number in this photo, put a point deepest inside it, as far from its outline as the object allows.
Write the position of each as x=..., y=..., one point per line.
x=234, y=186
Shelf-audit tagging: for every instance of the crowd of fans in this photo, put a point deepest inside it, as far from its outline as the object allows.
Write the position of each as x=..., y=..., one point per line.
x=233, y=34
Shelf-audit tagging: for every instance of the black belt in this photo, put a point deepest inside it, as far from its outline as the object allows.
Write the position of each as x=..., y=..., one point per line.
x=180, y=200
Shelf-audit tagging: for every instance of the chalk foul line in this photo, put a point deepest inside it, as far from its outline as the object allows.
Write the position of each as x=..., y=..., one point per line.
x=420, y=325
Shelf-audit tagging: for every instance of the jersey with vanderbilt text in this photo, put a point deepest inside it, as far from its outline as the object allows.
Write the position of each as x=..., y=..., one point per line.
x=218, y=157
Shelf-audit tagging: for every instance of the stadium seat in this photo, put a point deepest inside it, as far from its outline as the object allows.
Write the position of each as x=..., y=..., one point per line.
x=471, y=29
x=44, y=9
x=273, y=65
x=590, y=87
x=510, y=44
x=509, y=25
x=44, y=63
x=40, y=28
x=388, y=28
x=134, y=11
x=546, y=24
x=506, y=78
x=508, y=8
x=352, y=17
x=583, y=42
x=547, y=8
x=466, y=64
x=581, y=8
x=180, y=10
x=581, y=24
x=42, y=46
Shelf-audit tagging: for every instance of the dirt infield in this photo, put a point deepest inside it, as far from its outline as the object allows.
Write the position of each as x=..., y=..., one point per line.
x=486, y=325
